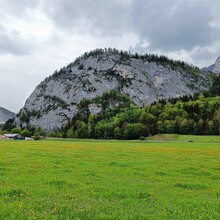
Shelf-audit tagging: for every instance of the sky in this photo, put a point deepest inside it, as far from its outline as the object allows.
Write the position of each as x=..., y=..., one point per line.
x=39, y=36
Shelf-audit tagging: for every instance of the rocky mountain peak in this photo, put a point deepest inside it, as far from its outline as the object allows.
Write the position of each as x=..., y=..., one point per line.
x=143, y=78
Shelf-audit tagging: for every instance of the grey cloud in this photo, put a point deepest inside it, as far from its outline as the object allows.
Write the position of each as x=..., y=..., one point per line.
x=168, y=25
x=102, y=17
x=139, y=48
x=17, y=8
x=173, y=25
x=11, y=42
x=204, y=56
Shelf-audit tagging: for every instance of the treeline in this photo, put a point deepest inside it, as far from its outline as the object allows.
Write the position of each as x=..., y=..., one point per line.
x=125, y=56
x=128, y=55
x=188, y=115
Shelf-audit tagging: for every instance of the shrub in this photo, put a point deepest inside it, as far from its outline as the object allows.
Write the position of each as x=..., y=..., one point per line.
x=26, y=133
x=142, y=138
x=16, y=131
x=36, y=136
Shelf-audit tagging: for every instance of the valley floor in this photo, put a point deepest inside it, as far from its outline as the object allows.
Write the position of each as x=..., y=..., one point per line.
x=84, y=179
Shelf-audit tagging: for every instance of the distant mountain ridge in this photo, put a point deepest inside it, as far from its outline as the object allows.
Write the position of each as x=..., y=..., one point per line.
x=215, y=68
x=5, y=114
x=209, y=68
x=143, y=78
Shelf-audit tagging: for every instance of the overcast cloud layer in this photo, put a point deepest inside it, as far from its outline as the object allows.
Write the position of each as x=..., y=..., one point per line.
x=39, y=36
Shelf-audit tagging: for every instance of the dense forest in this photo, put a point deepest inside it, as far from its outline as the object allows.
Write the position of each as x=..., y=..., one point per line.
x=187, y=115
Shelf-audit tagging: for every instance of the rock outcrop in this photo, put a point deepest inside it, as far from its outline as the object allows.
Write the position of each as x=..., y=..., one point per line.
x=216, y=68
x=144, y=79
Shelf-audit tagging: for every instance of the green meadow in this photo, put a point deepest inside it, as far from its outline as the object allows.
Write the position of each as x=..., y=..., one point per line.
x=74, y=179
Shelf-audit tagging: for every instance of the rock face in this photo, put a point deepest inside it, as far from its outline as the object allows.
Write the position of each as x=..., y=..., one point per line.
x=5, y=115
x=216, y=68
x=54, y=101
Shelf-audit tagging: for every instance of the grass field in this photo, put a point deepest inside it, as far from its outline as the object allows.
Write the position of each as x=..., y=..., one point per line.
x=110, y=179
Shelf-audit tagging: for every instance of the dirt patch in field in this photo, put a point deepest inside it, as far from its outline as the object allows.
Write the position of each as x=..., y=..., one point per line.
x=3, y=137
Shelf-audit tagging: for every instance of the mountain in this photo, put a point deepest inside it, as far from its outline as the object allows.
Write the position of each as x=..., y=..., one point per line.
x=144, y=78
x=5, y=115
x=215, y=68
x=209, y=68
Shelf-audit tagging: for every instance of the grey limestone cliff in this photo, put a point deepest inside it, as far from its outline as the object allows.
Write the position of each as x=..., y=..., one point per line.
x=216, y=68
x=54, y=101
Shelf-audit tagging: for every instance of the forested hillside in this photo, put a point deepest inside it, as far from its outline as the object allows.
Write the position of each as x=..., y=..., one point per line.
x=188, y=115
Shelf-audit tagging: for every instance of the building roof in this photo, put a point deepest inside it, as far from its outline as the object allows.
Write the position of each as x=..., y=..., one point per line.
x=10, y=135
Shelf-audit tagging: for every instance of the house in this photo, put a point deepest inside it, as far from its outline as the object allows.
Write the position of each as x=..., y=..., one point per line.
x=17, y=137
x=14, y=136
x=11, y=136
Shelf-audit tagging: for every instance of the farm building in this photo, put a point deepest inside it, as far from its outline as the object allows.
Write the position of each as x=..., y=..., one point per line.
x=17, y=137
x=14, y=136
